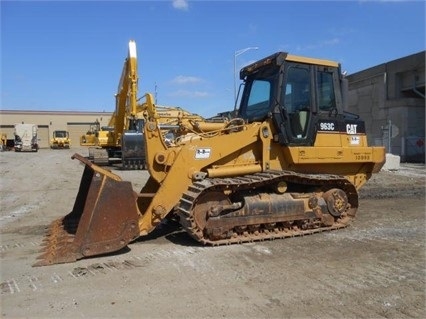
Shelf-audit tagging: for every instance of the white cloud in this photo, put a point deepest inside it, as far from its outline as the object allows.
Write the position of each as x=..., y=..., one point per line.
x=382, y=1
x=342, y=32
x=330, y=42
x=324, y=43
x=189, y=94
x=182, y=79
x=180, y=4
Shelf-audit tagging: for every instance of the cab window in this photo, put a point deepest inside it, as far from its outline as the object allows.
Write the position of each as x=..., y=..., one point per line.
x=326, y=99
x=297, y=90
x=258, y=101
x=297, y=100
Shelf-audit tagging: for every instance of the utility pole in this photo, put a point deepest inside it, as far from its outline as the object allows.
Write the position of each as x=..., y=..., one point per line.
x=237, y=53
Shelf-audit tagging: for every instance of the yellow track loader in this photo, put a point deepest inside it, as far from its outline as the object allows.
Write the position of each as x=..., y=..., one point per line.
x=60, y=139
x=290, y=163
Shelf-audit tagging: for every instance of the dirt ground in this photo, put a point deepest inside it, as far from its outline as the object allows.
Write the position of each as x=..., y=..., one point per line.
x=376, y=268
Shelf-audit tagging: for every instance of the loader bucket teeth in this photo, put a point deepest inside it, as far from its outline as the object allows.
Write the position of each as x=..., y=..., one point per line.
x=104, y=219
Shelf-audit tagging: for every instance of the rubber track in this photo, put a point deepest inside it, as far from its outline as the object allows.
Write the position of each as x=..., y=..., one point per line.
x=189, y=199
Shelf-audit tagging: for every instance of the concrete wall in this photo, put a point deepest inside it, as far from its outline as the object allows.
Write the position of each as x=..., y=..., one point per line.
x=392, y=95
x=77, y=123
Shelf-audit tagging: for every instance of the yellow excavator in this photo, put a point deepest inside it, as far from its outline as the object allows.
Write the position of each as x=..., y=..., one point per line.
x=289, y=163
x=124, y=120
x=90, y=139
x=122, y=139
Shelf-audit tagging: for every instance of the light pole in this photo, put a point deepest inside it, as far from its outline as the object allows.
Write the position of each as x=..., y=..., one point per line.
x=237, y=53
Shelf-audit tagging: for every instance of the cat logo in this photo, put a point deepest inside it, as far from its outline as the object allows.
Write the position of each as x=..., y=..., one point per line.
x=351, y=128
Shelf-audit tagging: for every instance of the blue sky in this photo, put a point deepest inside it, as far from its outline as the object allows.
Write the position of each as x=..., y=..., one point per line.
x=68, y=55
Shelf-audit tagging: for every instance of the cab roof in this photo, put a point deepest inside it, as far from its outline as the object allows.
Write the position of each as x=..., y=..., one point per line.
x=302, y=59
x=279, y=58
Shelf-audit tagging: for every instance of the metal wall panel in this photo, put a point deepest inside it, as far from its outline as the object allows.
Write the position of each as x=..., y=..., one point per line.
x=76, y=130
x=43, y=136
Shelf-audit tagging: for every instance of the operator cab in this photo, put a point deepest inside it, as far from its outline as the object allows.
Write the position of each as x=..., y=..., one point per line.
x=60, y=134
x=301, y=95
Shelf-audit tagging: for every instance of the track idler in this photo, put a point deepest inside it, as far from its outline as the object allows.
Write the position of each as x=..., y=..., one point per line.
x=104, y=219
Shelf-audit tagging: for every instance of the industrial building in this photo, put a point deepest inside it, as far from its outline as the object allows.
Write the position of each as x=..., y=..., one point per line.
x=389, y=97
x=76, y=123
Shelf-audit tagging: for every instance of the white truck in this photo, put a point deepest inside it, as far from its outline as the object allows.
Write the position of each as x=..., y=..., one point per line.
x=26, y=137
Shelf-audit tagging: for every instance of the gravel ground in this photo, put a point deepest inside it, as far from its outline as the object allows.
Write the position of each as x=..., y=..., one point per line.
x=373, y=269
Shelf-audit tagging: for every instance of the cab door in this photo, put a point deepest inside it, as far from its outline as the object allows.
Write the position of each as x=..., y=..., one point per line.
x=298, y=104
